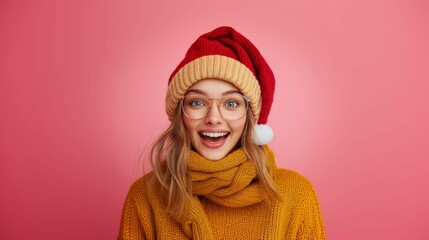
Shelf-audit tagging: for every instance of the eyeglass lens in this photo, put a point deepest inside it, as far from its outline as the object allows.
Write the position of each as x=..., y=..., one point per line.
x=231, y=107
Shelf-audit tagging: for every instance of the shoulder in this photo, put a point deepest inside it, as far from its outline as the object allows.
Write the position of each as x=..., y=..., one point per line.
x=143, y=180
x=292, y=184
x=293, y=178
x=141, y=187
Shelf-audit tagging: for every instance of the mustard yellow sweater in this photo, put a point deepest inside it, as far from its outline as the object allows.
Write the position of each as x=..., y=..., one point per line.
x=298, y=216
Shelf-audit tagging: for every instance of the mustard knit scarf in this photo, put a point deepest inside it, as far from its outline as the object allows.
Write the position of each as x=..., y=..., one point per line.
x=228, y=181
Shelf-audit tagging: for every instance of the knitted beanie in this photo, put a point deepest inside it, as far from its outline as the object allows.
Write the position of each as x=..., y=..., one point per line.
x=227, y=55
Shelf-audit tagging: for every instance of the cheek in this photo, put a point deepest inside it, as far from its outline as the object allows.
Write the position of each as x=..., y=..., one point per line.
x=238, y=127
x=190, y=126
x=186, y=124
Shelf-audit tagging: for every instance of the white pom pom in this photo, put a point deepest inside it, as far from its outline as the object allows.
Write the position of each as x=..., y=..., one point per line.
x=262, y=134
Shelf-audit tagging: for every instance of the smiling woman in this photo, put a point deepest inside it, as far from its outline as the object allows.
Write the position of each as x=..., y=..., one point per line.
x=214, y=175
x=214, y=129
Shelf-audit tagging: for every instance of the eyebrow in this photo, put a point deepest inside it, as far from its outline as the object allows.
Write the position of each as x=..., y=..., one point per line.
x=205, y=93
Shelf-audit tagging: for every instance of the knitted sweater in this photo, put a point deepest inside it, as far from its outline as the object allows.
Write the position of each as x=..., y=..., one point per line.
x=296, y=217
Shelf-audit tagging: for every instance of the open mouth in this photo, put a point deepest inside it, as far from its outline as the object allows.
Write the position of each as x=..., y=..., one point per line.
x=213, y=139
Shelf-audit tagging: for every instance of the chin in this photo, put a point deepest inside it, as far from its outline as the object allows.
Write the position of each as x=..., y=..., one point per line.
x=215, y=153
x=213, y=156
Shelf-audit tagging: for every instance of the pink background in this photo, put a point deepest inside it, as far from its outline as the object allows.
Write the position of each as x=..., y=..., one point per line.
x=83, y=84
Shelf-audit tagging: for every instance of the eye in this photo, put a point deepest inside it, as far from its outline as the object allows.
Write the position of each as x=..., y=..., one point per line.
x=196, y=103
x=231, y=104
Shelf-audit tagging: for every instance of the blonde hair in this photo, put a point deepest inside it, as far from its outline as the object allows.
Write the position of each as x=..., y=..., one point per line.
x=169, y=155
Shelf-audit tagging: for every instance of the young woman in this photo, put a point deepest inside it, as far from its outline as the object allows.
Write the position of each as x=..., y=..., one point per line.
x=214, y=176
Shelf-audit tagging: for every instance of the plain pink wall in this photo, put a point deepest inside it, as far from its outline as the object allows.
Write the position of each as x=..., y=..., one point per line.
x=82, y=91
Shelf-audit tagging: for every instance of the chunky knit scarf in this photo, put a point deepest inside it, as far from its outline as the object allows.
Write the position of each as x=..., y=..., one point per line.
x=229, y=181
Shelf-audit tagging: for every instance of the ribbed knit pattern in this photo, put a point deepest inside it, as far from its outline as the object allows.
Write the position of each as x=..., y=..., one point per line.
x=251, y=217
x=228, y=182
x=214, y=67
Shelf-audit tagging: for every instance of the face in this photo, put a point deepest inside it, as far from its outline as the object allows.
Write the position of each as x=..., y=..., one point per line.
x=212, y=136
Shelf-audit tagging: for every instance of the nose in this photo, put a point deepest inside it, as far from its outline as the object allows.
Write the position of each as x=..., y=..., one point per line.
x=213, y=115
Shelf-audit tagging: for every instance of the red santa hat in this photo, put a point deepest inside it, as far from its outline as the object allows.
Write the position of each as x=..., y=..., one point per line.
x=227, y=55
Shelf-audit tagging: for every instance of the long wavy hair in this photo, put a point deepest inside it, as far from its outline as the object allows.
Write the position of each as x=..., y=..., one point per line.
x=169, y=156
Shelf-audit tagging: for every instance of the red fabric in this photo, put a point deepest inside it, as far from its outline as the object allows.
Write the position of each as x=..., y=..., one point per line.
x=228, y=42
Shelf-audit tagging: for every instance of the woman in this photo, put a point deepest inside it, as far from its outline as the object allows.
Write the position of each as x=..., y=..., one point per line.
x=214, y=176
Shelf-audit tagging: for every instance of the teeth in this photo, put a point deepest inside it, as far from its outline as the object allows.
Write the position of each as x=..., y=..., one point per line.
x=213, y=135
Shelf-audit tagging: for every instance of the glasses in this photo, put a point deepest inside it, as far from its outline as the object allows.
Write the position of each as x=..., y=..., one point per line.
x=232, y=107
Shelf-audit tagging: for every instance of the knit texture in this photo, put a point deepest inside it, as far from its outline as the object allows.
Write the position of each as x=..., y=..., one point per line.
x=228, y=204
x=228, y=182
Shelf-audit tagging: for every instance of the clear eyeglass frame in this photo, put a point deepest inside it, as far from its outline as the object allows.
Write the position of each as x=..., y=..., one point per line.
x=228, y=112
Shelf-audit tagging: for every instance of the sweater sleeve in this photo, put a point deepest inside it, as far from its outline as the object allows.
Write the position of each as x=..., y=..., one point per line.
x=130, y=224
x=311, y=227
x=136, y=221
